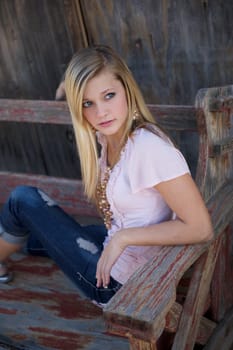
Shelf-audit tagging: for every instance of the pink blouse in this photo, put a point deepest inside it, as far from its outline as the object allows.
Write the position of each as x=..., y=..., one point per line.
x=146, y=160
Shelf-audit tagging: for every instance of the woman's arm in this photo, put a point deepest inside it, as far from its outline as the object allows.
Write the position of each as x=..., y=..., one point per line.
x=192, y=225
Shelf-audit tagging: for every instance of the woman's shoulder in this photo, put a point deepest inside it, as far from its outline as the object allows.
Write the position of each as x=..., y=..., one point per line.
x=150, y=137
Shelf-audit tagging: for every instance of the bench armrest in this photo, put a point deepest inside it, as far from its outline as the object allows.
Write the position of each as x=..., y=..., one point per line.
x=140, y=307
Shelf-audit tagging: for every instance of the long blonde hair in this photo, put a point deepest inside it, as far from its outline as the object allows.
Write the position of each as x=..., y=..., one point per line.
x=85, y=65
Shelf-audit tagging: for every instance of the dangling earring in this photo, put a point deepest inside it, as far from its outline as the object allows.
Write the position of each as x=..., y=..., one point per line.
x=136, y=115
x=136, y=118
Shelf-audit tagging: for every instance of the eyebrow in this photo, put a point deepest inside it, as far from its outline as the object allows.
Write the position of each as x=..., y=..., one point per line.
x=102, y=93
x=106, y=90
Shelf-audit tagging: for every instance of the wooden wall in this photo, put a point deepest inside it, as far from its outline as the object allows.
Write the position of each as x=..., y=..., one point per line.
x=174, y=47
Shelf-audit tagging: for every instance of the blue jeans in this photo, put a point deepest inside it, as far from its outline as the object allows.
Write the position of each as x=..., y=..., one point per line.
x=30, y=215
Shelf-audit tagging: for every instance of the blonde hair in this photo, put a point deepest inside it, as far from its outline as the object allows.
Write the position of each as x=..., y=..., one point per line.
x=85, y=65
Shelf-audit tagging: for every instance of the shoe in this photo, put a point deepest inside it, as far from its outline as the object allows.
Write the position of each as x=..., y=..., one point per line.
x=5, y=275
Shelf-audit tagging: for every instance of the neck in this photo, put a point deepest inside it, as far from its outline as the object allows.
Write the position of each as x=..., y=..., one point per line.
x=113, y=152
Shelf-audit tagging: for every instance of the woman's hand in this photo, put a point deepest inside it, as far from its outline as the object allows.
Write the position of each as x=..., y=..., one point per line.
x=108, y=257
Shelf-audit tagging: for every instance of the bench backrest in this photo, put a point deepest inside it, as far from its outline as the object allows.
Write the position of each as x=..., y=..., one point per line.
x=146, y=304
x=38, y=148
x=215, y=125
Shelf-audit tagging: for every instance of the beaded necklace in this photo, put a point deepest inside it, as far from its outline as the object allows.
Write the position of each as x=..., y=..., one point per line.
x=102, y=201
x=103, y=204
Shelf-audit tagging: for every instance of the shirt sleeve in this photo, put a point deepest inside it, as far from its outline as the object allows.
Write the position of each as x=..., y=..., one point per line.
x=153, y=160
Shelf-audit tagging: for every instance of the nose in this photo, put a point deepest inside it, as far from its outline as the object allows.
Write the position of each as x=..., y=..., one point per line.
x=101, y=110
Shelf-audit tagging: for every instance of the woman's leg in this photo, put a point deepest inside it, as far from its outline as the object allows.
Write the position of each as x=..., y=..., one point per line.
x=8, y=245
x=6, y=249
x=74, y=248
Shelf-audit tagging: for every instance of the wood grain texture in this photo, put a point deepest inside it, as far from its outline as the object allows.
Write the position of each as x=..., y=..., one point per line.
x=35, y=48
x=173, y=49
x=215, y=129
x=157, y=40
x=223, y=335
x=146, y=305
x=37, y=136
x=68, y=193
x=142, y=304
x=189, y=323
x=57, y=112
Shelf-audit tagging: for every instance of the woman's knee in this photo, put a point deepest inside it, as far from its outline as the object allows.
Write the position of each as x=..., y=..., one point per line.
x=31, y=196
x=22, y=193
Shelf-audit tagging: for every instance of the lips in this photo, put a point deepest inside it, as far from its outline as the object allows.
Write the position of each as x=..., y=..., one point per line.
x=106, y=123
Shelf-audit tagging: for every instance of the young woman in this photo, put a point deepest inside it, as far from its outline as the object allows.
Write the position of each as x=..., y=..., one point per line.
x=140, y=183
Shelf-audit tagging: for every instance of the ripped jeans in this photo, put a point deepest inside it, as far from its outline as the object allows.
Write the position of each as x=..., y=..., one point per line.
x=30, y=215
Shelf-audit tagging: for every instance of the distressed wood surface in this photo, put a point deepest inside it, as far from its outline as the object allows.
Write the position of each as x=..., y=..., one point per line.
x=35, y=48
x=142, y=304
x=35, y=111
x=68, y=193
x=215, y=129
x=193, y=309
x=222, y=283
x=142, y=307
x=45, y=134
x=57, y=112
x=205, y=330
x=217, y=104
x=41, y=309
x=38, y=38
x=223, y=335
x=168, y=61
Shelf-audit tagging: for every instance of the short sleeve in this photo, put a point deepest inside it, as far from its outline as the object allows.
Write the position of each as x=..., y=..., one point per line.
x=153, y=160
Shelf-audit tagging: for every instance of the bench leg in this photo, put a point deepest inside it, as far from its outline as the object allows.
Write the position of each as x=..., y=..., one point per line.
x=222, y=282
x=138, y=344
x=195, y=301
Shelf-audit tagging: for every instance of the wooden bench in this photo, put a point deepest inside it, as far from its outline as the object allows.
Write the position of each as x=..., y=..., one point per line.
x=183, y=296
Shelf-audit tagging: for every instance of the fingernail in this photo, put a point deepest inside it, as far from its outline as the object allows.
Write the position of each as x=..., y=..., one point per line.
x=105, y=287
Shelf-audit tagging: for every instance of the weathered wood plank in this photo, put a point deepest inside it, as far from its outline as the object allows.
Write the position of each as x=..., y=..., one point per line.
x=45, y=128
x=169, y=62
x=216, y=104
x=193, y=308
x=223, y=335
x=35, y=48
x=77, y=26
x=34, y=111
x=67, y=192
x=222, y=282
x=142, y=307
x=42, y=309
x=221, y=148
x=138, y=344
x=143, y=302
x=57, y=112
x=216, y=132
x=175, y=117
x=205, y=329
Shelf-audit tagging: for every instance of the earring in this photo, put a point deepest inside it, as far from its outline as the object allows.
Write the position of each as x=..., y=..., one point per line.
x=136, y=119
x=136, y=115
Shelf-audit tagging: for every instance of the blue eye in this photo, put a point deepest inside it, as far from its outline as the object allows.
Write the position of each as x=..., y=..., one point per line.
x=110, y=95
x=87, y=104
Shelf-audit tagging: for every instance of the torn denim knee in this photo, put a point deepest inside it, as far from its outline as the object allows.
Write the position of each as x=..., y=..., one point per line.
x=49, y=201
x=87, y=245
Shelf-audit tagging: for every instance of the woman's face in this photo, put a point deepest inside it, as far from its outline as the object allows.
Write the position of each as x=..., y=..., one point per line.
x=105, y=105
